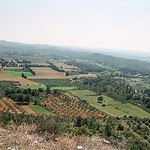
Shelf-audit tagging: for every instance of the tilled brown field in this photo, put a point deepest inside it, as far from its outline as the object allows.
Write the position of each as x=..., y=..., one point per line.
x=20, y=80
x=46, y=71
x=60, y=76
x=3, y=72
x=28, y=110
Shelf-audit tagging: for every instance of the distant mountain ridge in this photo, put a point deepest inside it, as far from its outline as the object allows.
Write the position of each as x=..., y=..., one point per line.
x=123, y=64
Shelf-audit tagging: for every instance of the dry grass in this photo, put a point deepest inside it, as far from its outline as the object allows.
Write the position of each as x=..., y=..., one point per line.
x=24, y=137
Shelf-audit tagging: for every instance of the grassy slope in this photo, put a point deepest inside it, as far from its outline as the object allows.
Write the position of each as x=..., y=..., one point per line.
x=16, y=73
x=63, y=88
x=32, y=86
x=111, y=105
x=39, y=110
x=140, y=84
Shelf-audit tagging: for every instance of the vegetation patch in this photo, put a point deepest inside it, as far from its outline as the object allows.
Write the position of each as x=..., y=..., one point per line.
x=63, y=88
x=109, y=105
x=54, y=82
x=39, y=110
x=32, y=86
x=16, y=73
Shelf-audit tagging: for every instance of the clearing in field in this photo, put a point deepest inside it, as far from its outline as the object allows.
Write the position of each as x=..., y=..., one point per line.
x=110, y=106
x=18, y=80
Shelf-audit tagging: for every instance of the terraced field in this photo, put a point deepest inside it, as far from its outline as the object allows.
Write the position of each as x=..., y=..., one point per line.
x=66, y=105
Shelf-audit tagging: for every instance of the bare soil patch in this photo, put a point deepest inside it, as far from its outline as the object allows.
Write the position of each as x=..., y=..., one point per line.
x=39, y=71
x=60, y=76
x=3, y=72
x=28, y=110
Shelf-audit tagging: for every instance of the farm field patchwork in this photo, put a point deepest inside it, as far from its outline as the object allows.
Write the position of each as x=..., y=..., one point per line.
x=46, y=71
x=112, y=107
x=18, y=80
x=14, y=73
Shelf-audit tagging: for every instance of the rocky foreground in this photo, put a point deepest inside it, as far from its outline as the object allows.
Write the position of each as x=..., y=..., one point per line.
x=26, y=137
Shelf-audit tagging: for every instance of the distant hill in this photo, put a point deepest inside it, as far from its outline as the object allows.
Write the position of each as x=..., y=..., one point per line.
x=126, y=65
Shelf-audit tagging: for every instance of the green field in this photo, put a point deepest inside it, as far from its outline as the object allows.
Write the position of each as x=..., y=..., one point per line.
x=32, y=86
x=139, y=84
x=16, y=73
x=63, y=88
x=39, y=110
x=112, y=107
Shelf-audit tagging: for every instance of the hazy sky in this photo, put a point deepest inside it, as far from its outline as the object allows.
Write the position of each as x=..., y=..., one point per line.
x=115, y=24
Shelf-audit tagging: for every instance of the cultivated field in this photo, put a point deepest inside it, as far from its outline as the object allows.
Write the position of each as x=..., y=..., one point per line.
x=13, y=68
x=66, y=105
x=32, y=86
x=54, y=82
x=112, y=107
x=18, y=80
x=14, y=73
x=28, y=110
x=39, y=110
x=8, y=105
x=63, y=88
x=45, y=71
x=3, y=73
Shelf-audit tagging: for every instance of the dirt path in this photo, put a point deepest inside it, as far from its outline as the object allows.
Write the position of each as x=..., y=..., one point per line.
x=28, y=110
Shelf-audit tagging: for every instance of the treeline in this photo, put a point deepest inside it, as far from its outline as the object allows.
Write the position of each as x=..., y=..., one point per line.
x=86, y=66
x=24, y=96
x=33, y=72
x=6, y=63
x=125, y=65
x=54, y=67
